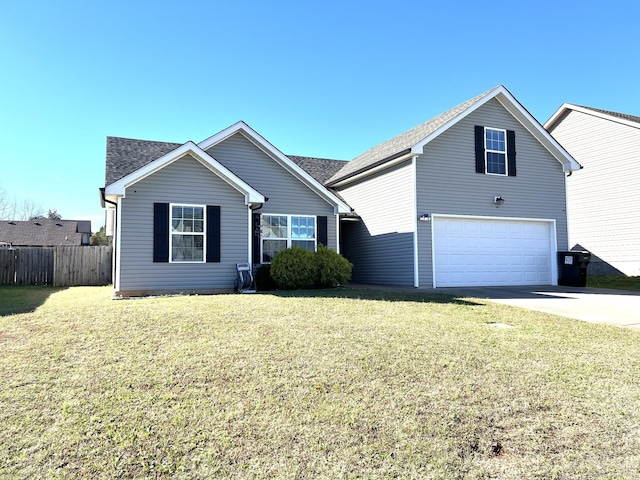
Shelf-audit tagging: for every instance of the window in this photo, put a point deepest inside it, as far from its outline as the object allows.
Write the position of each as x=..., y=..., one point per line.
x=496, y=151
x=187, y=233
x=284, y=231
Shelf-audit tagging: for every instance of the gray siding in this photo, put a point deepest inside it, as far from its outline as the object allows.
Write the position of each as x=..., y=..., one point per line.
x=603, y=197
x=448, y=184
x=184, y=181
x=381, y=245
x=286, y=194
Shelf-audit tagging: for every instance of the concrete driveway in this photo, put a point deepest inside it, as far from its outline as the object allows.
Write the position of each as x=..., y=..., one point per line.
x=596, y=305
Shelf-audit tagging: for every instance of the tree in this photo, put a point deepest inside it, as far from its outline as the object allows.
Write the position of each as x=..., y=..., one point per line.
x=100, y=238
x=53, y=214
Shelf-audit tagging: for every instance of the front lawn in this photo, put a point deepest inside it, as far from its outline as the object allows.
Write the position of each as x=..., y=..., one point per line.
x=325, y=384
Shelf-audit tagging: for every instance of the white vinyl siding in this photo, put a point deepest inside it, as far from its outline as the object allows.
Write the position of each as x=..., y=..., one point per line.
x=604, y=197
x=380, y=246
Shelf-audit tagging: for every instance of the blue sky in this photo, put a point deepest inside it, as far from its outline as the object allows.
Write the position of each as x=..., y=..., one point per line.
x=317, y=78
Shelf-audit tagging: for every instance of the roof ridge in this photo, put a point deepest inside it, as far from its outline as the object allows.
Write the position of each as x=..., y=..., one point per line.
x=625, y=116
x=391, y=148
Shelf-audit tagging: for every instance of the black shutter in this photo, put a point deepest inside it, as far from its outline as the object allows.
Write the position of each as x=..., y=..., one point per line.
x=213, y=234
x=322, y=230
x=511, y=152
x=255, y=244
x=479, y=131
x=161, y=232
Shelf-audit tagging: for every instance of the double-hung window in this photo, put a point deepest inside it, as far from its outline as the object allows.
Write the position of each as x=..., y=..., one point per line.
x=496, y=151
x=188, y=227
x=284, y=231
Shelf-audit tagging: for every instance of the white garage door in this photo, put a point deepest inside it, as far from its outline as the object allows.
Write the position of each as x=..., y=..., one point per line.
x=474, y=251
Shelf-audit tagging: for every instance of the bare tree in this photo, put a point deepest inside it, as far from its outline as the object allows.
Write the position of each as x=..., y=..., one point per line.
x=7, y=206
x=29, y=210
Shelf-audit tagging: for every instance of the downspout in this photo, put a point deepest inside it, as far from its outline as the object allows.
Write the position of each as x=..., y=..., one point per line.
x=416, y=273
x=114, y=261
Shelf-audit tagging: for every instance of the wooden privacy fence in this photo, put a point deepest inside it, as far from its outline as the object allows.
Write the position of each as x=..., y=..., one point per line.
x=58, y=266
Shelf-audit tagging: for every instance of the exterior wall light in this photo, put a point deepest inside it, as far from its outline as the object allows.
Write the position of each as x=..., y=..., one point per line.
x=425, y=217
x=498, y=200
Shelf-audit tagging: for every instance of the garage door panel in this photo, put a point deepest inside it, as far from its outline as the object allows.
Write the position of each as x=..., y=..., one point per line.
x=470, y=251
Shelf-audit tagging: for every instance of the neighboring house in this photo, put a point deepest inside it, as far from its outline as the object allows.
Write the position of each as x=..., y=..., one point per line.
x=183, y=215
x=43, y=232
x=444, y=204
x=448, y=203
x=604, y=198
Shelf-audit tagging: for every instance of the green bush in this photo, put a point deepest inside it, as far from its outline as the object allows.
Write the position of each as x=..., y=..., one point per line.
x=332, y=269
x=293, y=268
x=264, y=280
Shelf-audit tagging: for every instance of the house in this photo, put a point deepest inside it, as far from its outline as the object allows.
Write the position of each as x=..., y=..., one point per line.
x=604, y=198
x=183, y=215
x=43, y=232
x=444, y=204
x=474, y=196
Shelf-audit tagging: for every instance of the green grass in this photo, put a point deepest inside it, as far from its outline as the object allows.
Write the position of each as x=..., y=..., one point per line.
x=619, y=282
x=329, y=384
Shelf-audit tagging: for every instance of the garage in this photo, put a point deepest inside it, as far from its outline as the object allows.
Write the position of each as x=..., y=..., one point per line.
x=482, y=251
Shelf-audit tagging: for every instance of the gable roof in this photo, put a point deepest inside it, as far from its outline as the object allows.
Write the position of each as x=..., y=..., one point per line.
x=43, y=232
x=292, y=167
x=117, y=188
x=413, y=141
x=630, y=120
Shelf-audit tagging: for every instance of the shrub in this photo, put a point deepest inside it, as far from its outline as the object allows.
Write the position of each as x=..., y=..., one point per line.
x=293, y=268
x=264, y=280
x=332, y=269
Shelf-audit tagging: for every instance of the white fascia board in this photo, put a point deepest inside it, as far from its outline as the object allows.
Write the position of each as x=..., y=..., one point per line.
x=118, y=188
x=371, y=171
x=523, y=116
x=418, y=148
x=538, y=131
x=587, y=111
x=266, y=146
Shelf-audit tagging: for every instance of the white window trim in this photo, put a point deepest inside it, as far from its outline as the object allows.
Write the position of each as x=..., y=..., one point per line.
x=488, y=150
x=288, y=239
x=172, y=233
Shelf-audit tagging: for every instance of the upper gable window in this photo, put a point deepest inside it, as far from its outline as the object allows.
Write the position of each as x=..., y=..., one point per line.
x=495, y=145
x=495, y=151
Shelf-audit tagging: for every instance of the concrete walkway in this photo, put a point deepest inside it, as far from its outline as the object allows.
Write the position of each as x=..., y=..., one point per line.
x=595, y=305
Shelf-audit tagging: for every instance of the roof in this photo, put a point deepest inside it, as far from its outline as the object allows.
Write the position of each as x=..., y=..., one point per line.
x=130, y=160
x=413, y=141
x=322, y=169
x=117, y=188
x=43, y=232
x=126, y=155
x=630, y=120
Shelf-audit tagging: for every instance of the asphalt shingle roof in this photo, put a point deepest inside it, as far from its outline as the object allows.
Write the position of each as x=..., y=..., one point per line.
x=400, y=144
x=322, y=169
x=126, y=155
x=623, y=116
x=43, y=232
